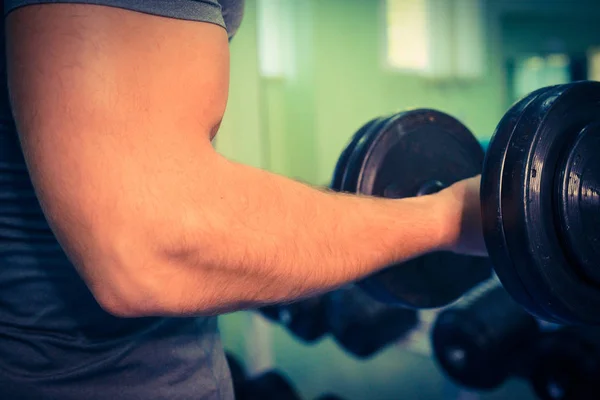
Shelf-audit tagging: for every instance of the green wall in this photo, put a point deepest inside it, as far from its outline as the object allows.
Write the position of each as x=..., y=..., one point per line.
x=298, y=125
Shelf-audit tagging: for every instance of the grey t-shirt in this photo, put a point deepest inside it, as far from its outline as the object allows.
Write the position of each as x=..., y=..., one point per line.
x=56, y=343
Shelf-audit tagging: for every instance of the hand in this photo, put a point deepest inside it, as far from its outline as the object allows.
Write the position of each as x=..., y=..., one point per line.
x=462, y=207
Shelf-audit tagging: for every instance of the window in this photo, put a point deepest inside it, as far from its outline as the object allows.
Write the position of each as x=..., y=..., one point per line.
x=436, y=38
x=594, y=64
x=534, y=72
x=407, y=34
x=275, y=37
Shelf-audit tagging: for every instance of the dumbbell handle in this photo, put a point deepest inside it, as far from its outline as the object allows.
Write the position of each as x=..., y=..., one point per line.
x=392, y=191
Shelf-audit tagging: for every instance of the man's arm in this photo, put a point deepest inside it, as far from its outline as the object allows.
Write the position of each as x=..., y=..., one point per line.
x=115, y=111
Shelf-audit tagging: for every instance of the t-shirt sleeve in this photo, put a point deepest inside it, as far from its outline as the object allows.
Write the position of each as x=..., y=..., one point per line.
x=193, y=10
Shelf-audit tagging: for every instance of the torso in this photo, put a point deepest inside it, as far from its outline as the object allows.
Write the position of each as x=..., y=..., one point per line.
x=55, y=340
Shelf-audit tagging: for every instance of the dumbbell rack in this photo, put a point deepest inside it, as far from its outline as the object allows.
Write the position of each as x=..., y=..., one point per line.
x=259, y=347
x=260, y=357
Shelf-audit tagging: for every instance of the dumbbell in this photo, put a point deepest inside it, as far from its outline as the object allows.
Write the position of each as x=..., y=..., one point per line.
x=360, y=325
x=540, y=200
x=483, y=338
x=408, y=154
x=269, y=385
x=567, y=364
x=363, y=326
x=305, y=319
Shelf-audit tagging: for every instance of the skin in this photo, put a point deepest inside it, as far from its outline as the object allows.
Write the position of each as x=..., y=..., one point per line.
x=153, y=219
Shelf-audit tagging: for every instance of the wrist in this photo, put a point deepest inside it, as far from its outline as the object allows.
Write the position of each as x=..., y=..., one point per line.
x=446, y=212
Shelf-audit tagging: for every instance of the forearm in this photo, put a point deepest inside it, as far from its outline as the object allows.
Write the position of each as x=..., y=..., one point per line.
x=258, y=238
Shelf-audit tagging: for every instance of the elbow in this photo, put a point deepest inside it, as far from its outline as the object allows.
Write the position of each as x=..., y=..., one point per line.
x=179, y=295
x=136, y=304
x=125, y=301
x=125, y=287
x=150, y=288
x=138, y=274
x=122, y=307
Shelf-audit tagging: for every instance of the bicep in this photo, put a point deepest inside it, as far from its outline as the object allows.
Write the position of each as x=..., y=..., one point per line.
x=112, y=109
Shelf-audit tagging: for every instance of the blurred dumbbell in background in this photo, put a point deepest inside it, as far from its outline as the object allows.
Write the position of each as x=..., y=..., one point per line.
x=269, y=385
x=361, y=325
x=305, y=319
x=484, y=338
x=566, y=364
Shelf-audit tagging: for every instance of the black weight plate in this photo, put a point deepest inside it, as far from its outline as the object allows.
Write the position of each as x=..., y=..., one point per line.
x=353, y=164
x=491, y=210
x=349, y=183
x=524, y=131
x=340, y=167
x=406, y=152
x=578, y=201
x=549, y=126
